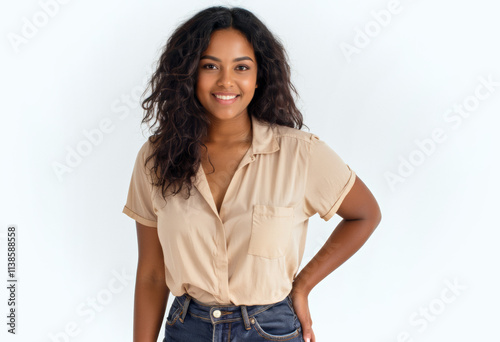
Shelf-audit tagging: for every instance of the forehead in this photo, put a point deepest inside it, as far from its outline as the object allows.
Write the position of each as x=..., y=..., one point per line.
x=229, y=42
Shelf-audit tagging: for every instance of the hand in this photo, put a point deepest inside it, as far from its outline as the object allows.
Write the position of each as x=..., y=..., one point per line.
x=301, y=307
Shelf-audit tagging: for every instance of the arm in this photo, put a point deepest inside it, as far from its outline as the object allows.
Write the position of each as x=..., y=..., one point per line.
x=151, y=292
x=361, y=215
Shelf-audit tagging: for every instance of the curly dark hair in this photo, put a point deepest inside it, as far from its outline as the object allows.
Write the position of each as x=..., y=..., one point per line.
x=173, y=104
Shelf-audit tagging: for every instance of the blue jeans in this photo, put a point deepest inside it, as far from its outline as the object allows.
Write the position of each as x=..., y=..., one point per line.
x=192, y=321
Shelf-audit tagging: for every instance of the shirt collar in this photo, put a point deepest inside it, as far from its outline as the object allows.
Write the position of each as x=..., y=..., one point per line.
x=263, y=137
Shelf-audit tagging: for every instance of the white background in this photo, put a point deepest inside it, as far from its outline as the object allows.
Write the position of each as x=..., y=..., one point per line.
x=372, y=107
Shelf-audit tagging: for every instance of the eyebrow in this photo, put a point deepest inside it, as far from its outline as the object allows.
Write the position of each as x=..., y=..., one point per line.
x=234, y=60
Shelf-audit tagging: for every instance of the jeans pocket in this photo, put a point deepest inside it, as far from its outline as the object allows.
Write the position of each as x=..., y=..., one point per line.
x=277, y=323
x=174, y=313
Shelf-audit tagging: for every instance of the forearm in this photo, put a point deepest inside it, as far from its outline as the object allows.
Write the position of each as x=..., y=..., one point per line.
x=150, y=301
x=345, y=240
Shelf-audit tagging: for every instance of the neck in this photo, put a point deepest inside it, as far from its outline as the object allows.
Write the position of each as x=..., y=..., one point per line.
x=231, y=131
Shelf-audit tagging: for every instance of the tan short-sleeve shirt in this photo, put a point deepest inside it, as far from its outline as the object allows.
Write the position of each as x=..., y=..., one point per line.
x=250, y=253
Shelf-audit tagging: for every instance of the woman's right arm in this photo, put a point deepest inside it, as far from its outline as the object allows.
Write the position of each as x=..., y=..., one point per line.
x=151, y=291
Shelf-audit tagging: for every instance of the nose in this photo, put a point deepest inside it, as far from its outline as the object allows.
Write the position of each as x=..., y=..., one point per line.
x=225, y=78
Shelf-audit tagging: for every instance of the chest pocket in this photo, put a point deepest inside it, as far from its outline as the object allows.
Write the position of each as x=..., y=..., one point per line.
x=271, y=230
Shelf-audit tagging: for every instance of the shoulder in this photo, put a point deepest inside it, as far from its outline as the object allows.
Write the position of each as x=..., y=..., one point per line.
x=296, y=140
x=148, y=146
x=290, y=133
x=294, y=137
x=146, y=150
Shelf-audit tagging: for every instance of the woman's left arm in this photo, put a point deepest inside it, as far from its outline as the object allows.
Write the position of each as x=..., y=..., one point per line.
x=361, y=215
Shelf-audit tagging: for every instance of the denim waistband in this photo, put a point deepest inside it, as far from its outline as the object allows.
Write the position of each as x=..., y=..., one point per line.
x=222, y=313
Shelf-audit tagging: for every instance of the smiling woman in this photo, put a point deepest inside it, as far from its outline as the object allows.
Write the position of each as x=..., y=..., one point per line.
x=229, y=249
x=227, y=75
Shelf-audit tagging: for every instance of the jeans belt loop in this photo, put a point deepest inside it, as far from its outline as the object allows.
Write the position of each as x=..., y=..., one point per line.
x=187, y=300
x=244, y=313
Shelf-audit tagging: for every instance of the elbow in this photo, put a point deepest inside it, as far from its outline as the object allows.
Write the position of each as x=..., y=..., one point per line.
x=378, y=215
x=376, y=218
x=374, y=213
x=373, y=216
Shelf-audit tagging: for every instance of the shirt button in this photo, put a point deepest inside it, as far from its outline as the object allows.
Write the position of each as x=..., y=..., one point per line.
x=216, y=313
x=253, y=158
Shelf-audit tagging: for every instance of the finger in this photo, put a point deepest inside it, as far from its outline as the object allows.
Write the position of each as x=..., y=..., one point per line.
x=308, y=335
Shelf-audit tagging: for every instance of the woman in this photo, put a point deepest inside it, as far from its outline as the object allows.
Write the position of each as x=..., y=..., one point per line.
x=222, y=191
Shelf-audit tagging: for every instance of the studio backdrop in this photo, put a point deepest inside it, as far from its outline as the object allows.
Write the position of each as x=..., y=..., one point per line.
x=406, y=92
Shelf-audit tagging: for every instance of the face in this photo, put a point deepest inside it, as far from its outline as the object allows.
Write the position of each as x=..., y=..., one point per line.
x=227, y=75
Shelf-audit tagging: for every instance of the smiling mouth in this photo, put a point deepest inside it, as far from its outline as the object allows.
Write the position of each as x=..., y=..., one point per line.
x=225, y=100
x=225, y=97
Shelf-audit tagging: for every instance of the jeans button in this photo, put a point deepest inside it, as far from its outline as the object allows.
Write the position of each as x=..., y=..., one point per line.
x=216, y=313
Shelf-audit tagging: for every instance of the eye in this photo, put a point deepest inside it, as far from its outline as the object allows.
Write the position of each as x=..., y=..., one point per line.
x=212, y=67
x=208, y=66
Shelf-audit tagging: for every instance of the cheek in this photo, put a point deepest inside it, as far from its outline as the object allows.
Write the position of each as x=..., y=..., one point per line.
x=201, y=89
x=249, y=85
x=202, y=82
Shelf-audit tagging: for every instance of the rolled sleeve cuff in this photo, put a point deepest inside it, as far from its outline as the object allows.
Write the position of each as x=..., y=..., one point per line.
x=343, y=194
x=144, y=221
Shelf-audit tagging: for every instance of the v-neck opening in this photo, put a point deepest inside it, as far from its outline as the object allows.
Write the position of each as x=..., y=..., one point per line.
x=243, y=161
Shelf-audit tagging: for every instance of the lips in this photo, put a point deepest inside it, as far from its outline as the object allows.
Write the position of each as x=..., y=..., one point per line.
x=225, y=98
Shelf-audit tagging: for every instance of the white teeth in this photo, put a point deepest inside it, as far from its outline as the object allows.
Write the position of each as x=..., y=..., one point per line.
x=222, y=97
